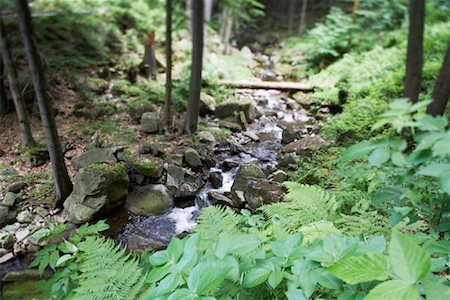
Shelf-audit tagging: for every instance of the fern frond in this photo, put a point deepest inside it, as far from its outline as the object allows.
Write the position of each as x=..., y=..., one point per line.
x=304, y=204
x=317, y=230
x=214, y=220
x=107, y=272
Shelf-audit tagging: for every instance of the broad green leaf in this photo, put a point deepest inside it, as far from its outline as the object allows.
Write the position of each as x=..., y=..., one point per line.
x=393, y=290
x=436, y=290
x=327, y=279
x=441, y=148
x=410, y=262
x=206, y=277
x=295, y=294
x=280, y=249
x=159, y=258
x=158, y=273
x=175, y=249
x=182, y=294
x=358, y=151
x=436, y=170
x=70, y=247
x=357, y=269
x=63, y=259
x=275, y=278
x=256, y=276
x=398, y=159
x=53, y=259
x=379, y=156
x=236, y=245
x=166, y=286
x=430, y=123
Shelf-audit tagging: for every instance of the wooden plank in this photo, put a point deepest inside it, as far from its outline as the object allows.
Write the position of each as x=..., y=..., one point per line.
x=269, y=85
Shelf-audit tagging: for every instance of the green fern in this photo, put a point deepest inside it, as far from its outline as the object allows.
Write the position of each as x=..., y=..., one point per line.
x=107, y=272
x=214, y=220
x=304, y=204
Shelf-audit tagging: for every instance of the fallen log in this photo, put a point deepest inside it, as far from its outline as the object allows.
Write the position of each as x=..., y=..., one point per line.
x=269, y=85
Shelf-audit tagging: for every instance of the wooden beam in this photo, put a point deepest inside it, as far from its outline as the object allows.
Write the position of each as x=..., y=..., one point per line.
x=269, y=85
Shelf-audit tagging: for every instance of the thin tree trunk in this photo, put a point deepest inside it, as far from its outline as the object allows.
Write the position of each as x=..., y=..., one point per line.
x=195, y=84
x=414, y=56
x=150, y=65
x=355, y=9
x=4, y=103
x=228, y=31
x=302, y=27
x=291, y=15
x=208, y=16
x=19, y=103
x=168, y=96
x=63, y=185
x=441, y=92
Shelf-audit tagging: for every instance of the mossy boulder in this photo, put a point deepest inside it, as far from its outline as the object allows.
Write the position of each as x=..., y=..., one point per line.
x=138, y=109
x=98, y=189
x=152, y=167
x=7, y=215
x=263, y=192
x=246, y=174
x=232, y=109
x=36, y=156
x=97, y=85
x=94, y=156
x=192, y=158
x=149, y=200
x=149, y=122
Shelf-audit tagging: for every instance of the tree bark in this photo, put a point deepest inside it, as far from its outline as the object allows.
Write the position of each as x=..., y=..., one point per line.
x=19, y=103
x=150, y=65
x=4, y=103
x=208, y=16
x=63, y=185
x=195, y=84
x=168, y=95
x=414, y=56
x=291, y=15
x=441, y=92
x=302, y=27
x=355, y=9
x=227, y=30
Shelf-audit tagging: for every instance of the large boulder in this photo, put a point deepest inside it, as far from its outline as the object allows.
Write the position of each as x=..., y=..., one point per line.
x=95, y=156
x=207, y=104
x=305, y=144
x=192, y=158
x=7, y=215
x=231, y=109
x=149, y=122
x=149, y=200
x=138, y=110
x=246, y=174
x=182, y=182
x=151, y=167
x=98, y=189
x=263, y=192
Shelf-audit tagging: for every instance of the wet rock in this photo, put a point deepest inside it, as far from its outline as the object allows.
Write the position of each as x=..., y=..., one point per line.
x=7, y=215
x=192, y=158
x=16, y=187
x=41, y=211
x=230, y=125
x=243, y=120
x=216, y=179
x=304, y=144
x=245, y=174
x=251, y=135
x=207, y=104
x=268, y=75
x=95, y=156
x=279, y=176
x=229, y=164
x=221, y=199
x=149, y=200
x=6, y=239
x=303, y=99
x=138, y=243
x=21, y=234
x=263, y=192
x=230, y=109
x=288, y=160
x=149, y=122
x=151, y=167
x=154, y=149
x=137, y=111
x=25, y=216
x=290, y=134
x=206, y=136
x=235, y=145
x=182, y=182
x=10, y=199
x=98, y=189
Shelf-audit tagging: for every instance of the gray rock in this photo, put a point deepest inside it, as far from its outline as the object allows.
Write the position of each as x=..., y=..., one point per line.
x=16, y=187
x=192, y=158
x=251, y=135
x=95, y=156
x=230, y=125
x=303, y=99
x=230, y=109
x=151, y=167
x=98, y=189
x=149, y=122
x=7, y=172
x=182, y=182
x=235, y=145
x=287, y=160
x=7, y=215
x=245, y=174
x=290, y=134
x=154, y=149
x=216, y=179
x=305, y=144
x=206, y=136
x=263, y=192
x=229, y=164
x=207, y=104
x=10, y=199
x=41, y=211
x=149, y=200
x=221, y=199
x=6, y=239
x=279, y=176
x=25, y=216
x=137, y=111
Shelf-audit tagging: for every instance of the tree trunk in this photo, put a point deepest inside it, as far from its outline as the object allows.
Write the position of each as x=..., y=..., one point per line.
x=414, y=56
x=4, y=103
x=291, y=15
x=302, y=27
x=355, y=9
x=195, y=84
x=150, y=65
x=63, y=185
x=227, y=31
x=208, y=16
x=441, y=92
x=19, y=103
x=168, y=96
